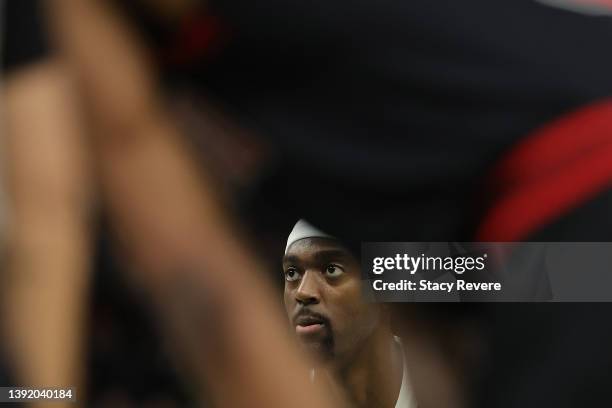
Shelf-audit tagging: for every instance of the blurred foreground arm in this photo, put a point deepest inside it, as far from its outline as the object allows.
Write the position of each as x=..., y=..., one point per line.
x=206, y=284
x=44, y=286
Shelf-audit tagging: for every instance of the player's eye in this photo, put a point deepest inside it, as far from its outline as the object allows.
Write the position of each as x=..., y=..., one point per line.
x=333, y=271
x=292, y=274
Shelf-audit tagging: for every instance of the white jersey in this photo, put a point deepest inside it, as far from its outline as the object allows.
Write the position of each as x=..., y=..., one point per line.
x=405, y=399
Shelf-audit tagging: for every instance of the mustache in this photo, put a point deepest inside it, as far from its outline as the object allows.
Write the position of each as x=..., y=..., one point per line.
x=305, y=312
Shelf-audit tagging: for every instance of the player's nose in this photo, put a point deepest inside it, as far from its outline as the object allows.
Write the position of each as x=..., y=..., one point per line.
x=308, y=291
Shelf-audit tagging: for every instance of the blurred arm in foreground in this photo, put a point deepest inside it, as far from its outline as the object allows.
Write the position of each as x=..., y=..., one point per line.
x=45, y=281
x=44, y=285
x=206, y=285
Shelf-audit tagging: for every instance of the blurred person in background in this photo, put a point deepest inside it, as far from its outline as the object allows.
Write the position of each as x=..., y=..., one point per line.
x=350, y=338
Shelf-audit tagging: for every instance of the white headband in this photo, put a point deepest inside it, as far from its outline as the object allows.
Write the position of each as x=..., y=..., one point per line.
x=302, y=230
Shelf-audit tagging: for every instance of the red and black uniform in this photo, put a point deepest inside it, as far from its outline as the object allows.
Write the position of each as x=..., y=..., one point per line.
x=391, y=118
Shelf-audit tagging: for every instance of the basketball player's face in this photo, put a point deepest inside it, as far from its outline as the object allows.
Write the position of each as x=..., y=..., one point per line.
x=323, y=297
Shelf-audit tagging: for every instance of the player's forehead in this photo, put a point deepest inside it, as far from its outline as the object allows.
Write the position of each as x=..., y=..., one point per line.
x=314, y=248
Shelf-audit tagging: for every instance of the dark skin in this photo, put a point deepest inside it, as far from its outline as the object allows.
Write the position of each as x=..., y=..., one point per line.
x=351, y=339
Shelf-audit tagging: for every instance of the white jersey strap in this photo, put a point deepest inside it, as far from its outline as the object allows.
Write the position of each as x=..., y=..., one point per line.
x=405, y=398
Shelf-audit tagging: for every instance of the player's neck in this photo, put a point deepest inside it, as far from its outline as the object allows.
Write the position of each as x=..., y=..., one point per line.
x=373, y=376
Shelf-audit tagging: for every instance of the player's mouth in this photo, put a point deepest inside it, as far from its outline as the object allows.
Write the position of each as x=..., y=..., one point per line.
x=309, y=325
